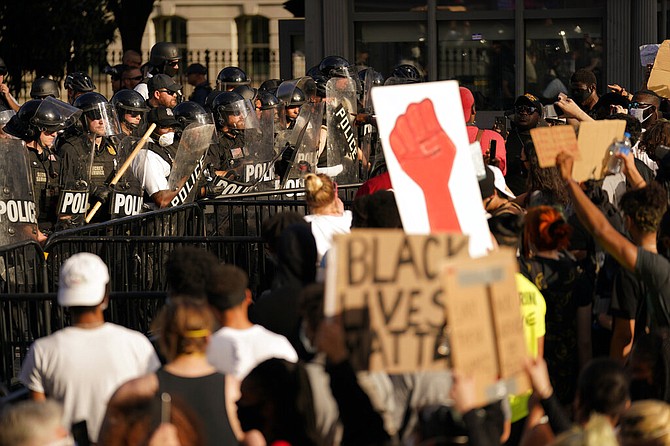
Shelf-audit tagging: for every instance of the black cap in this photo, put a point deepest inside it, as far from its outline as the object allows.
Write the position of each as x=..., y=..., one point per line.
x=529, y=99
x=162, y=117
x=196, y=68
x=162, y=81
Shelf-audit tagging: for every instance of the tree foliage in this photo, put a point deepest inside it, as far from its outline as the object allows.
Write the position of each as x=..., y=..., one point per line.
x=131, y=18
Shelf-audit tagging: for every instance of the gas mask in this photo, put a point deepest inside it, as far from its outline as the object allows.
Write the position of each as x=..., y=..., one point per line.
x=167, y=139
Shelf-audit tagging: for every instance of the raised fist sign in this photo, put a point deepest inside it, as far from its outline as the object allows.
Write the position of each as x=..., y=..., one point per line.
x=426, y=153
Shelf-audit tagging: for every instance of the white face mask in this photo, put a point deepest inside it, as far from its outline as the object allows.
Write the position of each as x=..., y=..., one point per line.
x=639, y=113
x=166, y=139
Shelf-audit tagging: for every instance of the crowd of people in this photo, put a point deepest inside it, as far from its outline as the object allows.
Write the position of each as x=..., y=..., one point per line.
x=229, y=367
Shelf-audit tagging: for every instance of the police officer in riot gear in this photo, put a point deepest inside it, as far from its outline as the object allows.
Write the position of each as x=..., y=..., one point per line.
x=88, y=160
x=130, y=108
x=404, y=74
x=43, y=87
x=38, y=123
x=164, y=58
x=189, y=112
x=292, y=99
x=334, y=66
x=230, y=126
x=76, y=84
x=231, y=77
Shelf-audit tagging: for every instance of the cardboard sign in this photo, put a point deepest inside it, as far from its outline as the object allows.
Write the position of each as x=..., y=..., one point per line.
x=550, y=141
x=594, y=139
x=485, y=327
x=659, y=79
x=385, y=286
x=427, y=153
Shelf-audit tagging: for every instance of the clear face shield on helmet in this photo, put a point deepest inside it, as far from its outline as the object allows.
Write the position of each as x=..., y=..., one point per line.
x=101, y=119
x=240, y=115
x=65, y=115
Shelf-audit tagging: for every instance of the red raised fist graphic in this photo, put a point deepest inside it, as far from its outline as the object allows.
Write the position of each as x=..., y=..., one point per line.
x=427, y=154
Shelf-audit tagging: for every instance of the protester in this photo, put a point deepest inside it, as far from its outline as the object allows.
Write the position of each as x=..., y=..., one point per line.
x=327, y=215
x=81, y=366
x=238, y=346
x=185, y=327
x=33, y=423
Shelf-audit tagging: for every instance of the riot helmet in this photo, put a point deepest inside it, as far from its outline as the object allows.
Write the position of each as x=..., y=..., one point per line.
x=19, y=124
x=291, y=95
x=43, y=87
x=96, y=108
x=221, y=106
x=246, y=92
x=314, y=71
x=88, y=101
x=267, y=100
x=270, y=85
x=231, y=77
x=189, y=112
x=129, y=102
x=404, y=74
x=209, y=99
x=162, y=55
x=35, y=116
x=79, y=82
x=369, y=75
x=334, y=66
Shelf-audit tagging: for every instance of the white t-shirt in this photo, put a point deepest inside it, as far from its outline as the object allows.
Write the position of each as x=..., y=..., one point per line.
x=151, y=170
x=236, y=352
x=82, y=368
x=143, y=89
x=325, y=226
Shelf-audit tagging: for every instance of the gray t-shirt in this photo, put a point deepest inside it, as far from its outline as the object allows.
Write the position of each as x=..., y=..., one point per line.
x=654, y=270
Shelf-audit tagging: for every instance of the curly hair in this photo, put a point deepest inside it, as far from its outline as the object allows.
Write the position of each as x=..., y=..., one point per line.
x=545, y=229
x=645, y=206
x=658, y=134
x=546, y=180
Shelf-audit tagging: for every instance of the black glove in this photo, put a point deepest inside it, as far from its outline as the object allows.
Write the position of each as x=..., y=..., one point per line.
x=101, y=194
x=283, y=164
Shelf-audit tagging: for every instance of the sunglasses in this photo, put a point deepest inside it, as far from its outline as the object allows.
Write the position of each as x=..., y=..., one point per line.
x=136, y=78
x=3, y=71
x=133, y=113
x=171, y=93
x=94, y=115
x=639, y=105
x=173, y=62
x=525, y=109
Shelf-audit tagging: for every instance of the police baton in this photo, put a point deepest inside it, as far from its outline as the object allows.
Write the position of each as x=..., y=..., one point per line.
x=124, y=167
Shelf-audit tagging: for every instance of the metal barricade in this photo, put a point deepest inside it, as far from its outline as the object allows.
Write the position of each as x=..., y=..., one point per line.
x=26, y=317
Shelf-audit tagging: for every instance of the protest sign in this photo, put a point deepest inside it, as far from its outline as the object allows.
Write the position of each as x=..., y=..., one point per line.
x=659, y=79
x=594, y=140
x=550, y=141
x=485, y=327
x=427, y=152
x=385, y=286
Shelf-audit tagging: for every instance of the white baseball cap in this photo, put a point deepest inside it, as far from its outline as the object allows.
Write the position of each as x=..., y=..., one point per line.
x=83, y=281
x=500, y=183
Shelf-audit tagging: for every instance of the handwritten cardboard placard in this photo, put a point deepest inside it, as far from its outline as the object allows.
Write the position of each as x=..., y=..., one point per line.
x=659, y=79
x=385, y=286
x=595, y=138
x=484, y=323
x=550, y=141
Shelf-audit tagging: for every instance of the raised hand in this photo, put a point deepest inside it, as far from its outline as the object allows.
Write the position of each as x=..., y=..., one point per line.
x=426, y=154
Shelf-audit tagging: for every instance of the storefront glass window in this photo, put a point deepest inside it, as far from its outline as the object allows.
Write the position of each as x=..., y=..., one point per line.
x=390, y=5
x=557, y=48
x=480, y=55
x=562, y=4
x=476, y=5
x=383, y=45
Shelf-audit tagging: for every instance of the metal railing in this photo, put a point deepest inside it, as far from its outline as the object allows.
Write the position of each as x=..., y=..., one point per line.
x=135, y=249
